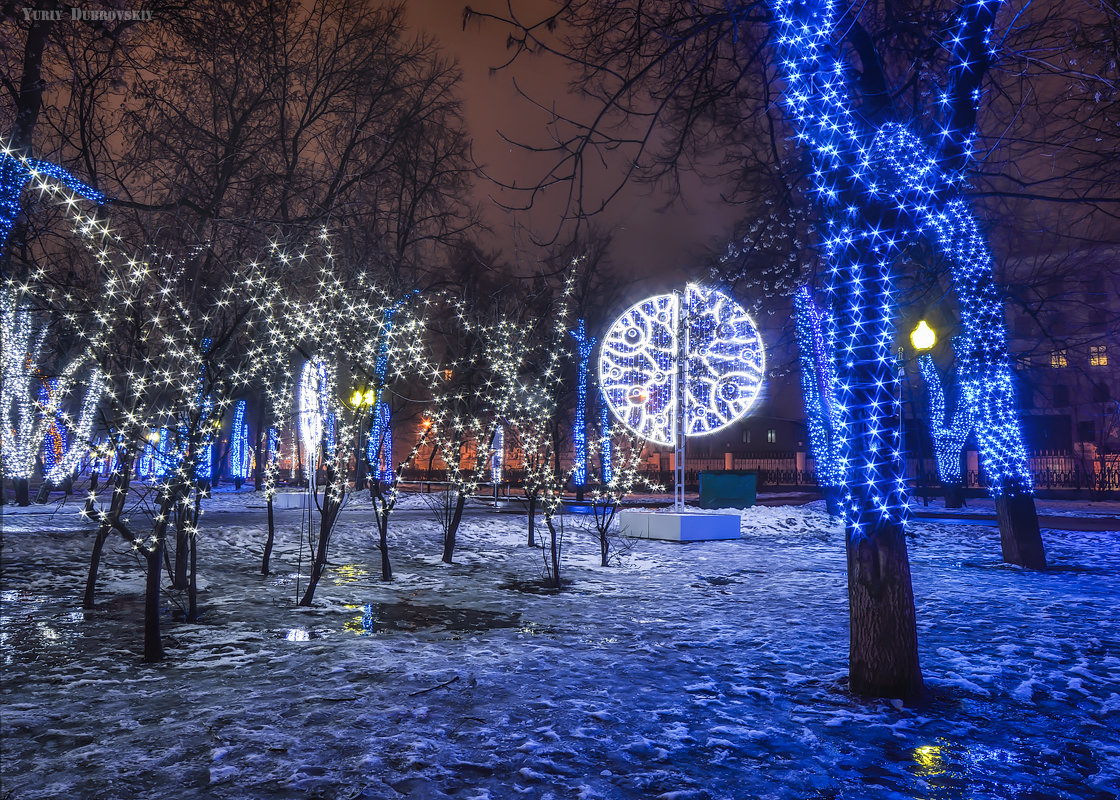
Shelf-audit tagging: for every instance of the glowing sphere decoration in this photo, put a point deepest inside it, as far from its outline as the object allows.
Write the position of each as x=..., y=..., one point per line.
x=638, y=363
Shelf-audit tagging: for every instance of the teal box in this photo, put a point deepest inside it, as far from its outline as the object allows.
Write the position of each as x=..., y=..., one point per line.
x=728, y=489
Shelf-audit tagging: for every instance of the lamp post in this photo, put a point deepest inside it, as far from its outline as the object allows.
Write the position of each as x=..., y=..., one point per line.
x=922, y=338
x=361, y=401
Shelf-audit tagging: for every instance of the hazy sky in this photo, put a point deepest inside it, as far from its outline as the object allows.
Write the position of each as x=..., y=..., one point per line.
x=647, y=241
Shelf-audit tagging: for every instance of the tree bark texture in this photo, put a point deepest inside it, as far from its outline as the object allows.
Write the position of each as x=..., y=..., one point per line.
x=1019, y=534
x=883, y=645
x=268, y=543
x=453, y=527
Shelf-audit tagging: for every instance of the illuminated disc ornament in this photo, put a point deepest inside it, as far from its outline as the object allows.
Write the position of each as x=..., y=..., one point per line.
x=723, y=371
x=314, y=404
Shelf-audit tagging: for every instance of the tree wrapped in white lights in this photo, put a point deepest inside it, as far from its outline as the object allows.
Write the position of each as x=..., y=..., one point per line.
x=311, y=351
x=27, y=420
x=526, y=362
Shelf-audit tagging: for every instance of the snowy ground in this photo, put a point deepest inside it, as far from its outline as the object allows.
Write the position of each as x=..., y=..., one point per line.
x=711, y=670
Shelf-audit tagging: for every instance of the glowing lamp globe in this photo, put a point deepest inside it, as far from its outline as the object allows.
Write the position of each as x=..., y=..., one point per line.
x=923, y=337
x=724, y=363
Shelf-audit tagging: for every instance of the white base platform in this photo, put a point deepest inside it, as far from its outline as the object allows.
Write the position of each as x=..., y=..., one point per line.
x=290, y=499
x=678, y=527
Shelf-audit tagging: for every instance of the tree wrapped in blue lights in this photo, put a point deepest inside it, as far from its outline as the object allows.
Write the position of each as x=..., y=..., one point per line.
x=16, y=172
x=818, y=388
x=240, y=455
x=585, y=346
x=949, y=433
x=379, y=448
x=888, y=187
x=885, y=188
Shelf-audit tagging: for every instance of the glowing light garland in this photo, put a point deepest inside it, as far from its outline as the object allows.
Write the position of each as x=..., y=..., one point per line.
x=585, y=345
x=606, y=451
x=498, y=453
x=79, y=446
x=28, y=425
x=818, y=386
x=379, y=449
x=886, y=188
x=55, y=443
x=948, y=439
x=16, y=172
x=239, y=454
x=724, y=369
x=316, y=421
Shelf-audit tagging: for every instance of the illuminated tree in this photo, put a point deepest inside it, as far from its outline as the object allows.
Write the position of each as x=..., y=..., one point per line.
x=949, y=432
x=818, y=389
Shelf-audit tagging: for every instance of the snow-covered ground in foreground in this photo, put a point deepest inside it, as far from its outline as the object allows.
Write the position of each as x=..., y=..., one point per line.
x=709, y=670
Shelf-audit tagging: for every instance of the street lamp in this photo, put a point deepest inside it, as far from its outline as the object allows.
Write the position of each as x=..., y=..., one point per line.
x=923, y=337
x=363, y=399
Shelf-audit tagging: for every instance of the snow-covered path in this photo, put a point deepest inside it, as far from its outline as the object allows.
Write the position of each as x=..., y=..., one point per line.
x=711, y=670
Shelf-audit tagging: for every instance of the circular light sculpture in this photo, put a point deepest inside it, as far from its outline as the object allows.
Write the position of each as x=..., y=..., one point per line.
x=640, y=364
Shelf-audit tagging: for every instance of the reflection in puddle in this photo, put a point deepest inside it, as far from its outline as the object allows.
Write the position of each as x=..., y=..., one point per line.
x=348, y=573
x=381, y=618
x=299, y=635
x=929, y=761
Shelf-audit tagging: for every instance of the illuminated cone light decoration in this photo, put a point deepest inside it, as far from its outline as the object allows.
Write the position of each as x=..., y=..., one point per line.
x=683, y=364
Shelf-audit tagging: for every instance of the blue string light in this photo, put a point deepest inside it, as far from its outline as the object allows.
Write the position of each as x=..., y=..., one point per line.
x=55, y=441
x=16, y=172
x=606, y=464
x=948, y=438
x=818, y=386
x=883, y=189
x=379, y=449
x=585, y=345
x=273, y=445
x=239, y=458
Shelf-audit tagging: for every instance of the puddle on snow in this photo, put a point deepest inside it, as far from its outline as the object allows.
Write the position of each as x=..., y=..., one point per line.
x=379, y=618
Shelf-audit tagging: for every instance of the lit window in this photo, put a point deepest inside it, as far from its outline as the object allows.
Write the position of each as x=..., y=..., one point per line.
x=771, y=435
x=1098, y=355
x=746, y=437
x=1058, y=359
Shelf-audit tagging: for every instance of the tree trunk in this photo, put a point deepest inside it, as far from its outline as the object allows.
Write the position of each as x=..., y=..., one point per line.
x=92, y=494
x=22, y=490
x=271, y=538
x=44, y=492
x=383, y=543
x=103, y=531
x=532, y=520
x=883, y=644
x=1018, y=531
x=262, y=445
x=453, y=527
x=116, y=506
x=832, y=501
x=192, y=542
x=153, y=644
x=182, y=546
x=330, y=512
x=554, y=554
